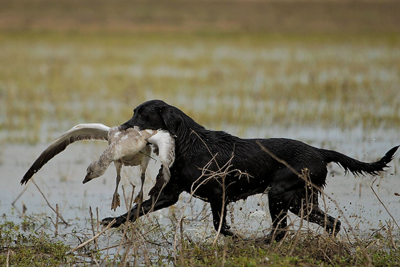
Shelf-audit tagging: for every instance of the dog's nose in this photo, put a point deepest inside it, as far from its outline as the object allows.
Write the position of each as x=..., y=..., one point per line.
x=125, y=126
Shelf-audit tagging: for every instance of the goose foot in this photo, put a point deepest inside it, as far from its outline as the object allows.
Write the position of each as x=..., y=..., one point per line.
x=116, y=202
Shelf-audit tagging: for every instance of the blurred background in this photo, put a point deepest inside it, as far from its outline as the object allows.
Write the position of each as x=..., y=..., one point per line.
x=239, y=66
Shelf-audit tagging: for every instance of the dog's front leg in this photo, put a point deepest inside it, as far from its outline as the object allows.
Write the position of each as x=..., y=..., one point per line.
x=218, y=208
x=167, y=197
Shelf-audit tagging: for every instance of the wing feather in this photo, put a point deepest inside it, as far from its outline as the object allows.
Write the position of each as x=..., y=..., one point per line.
x=89, y=131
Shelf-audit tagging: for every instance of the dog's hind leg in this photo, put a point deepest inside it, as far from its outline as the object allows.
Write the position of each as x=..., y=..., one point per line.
x=285, y=183
x=310, y=211
x=331, y=225
x=278, y=210
x=167, y=197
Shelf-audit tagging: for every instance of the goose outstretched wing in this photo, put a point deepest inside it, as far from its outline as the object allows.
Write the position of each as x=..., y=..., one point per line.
x=89, y=131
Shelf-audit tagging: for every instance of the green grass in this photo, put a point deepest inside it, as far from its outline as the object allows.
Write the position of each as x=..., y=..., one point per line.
x=51, y=81
x=27, y=244
x=312, y=250
x=21, y=245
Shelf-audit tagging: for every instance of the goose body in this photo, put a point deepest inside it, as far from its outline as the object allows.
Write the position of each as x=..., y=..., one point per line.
x=126, y=147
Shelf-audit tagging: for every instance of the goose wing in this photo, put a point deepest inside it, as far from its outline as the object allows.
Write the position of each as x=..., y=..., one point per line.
x=89, y=131
x=166, y=147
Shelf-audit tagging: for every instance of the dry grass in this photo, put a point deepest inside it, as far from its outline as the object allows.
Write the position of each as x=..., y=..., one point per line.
x=49, y=82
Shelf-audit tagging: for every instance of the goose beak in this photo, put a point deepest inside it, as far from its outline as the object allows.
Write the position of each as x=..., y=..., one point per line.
x=87, y=179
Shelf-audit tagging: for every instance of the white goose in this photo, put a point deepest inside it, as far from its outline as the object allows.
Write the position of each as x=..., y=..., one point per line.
x=124, y=147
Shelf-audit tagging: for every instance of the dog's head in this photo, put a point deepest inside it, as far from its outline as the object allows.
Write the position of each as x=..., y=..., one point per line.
x=155, y=115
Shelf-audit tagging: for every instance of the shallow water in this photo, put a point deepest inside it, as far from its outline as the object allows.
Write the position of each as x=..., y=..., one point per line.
x=61, y=182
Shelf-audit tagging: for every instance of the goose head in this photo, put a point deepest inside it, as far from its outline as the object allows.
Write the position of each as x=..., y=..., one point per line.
x=94, y=170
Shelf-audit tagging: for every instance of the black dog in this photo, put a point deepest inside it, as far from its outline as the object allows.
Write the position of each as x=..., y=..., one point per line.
x=250, y=170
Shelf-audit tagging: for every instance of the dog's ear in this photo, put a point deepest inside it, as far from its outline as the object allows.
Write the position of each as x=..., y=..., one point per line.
x=172, y=119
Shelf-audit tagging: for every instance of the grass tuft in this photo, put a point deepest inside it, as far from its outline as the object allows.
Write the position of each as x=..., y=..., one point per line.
x=22, y=246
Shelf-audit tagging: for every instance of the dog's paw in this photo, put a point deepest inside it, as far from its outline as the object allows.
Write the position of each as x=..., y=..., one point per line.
x=272, y=237
x=108, y=220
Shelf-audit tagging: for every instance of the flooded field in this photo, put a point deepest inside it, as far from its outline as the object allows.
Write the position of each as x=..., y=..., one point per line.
x=61, y=183
x=244, y=80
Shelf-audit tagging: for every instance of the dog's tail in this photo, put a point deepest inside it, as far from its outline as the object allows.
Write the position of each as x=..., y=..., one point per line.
x=358, y=167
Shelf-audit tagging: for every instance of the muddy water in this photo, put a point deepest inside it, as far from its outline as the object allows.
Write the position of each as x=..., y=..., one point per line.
x=61, y=183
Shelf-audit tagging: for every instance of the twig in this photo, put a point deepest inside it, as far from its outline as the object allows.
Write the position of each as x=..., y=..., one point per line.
x=181, y=243
x=373, y=190
x=297, y=235
x=8, y=257
x=20, y=194
x=56, y=231
x=208, y=174
x=389, y=231
x=204, y=143
x=128, y=205
x=92, y=224
x=223, y=176
x=93, y=238
x=97, y=216
x=110, y=247
x=192, y=192
x=40, y=191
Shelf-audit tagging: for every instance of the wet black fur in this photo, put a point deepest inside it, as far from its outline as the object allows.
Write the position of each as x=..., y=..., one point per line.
x=196, y=147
